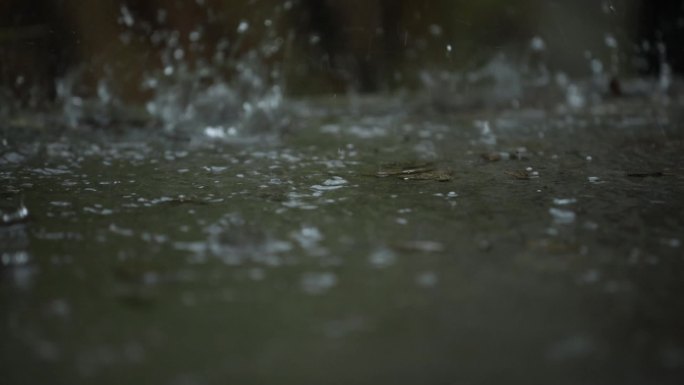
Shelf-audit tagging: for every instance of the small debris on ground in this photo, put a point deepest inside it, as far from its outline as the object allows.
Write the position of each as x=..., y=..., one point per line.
x=523, y=174
x=414, y=171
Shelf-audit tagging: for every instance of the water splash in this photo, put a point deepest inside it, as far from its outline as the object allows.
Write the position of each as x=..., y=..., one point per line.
x=561, y=216
x=17, y=215
x=487, y=135
x=196, y=84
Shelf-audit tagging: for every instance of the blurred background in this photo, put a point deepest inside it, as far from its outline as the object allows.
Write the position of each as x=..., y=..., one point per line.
x=309, y=47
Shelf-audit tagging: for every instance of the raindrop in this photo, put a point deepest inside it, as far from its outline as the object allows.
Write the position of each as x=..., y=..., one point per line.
x=537, y=44
x=486, y=134
x=126, y=17
x=18, y=215
x=574, y=97
x=178, y=54
x=610, y=41
x=308, y=237
x=243, y=27
x=563, y=217
x=608, y=6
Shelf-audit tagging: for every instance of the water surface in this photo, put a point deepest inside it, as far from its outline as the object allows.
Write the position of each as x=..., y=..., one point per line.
x=552, y=254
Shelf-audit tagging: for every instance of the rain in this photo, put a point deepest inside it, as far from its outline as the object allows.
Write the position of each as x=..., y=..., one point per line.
x=315, y=191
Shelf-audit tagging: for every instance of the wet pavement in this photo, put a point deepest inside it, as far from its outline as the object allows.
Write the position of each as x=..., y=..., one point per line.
x=373, y=241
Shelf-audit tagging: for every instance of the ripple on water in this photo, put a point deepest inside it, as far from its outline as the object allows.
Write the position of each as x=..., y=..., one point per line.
x=333, y=183
x=308, y=237
x=99, y=210
x=60, y=203
x=382, y=258
x=563, y=217
x=47, y=171
x=367, y=132
x=310, y=201
x=564, y=201
x=318, y=282
x=298, y=201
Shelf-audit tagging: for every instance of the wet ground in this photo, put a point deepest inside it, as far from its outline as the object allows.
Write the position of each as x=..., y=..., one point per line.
x=377, y=241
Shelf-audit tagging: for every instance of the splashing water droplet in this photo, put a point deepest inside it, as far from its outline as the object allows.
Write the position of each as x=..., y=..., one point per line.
x=563, y=217
x=126, y=16
x=610, y=41
x=574, y=97
x=487, y=136
x=243, y=26
x=18, y=215
x=537, y=44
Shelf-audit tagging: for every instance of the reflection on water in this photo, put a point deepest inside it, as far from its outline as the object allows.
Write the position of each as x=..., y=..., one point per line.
x=551, y=254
